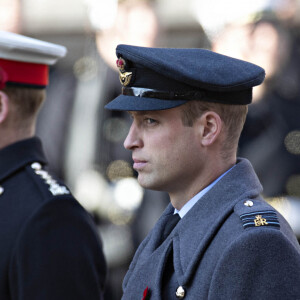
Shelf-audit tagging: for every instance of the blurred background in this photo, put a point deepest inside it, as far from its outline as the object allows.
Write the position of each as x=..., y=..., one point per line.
x=84, y=143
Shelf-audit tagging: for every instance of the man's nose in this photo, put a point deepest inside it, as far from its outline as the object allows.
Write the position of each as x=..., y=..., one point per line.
x=133, y=140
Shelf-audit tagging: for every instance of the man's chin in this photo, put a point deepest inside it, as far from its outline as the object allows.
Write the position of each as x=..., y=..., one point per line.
x=146, y=183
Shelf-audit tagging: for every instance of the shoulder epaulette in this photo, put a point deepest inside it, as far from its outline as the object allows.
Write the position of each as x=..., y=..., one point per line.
x=256, y=213
x=54, y=187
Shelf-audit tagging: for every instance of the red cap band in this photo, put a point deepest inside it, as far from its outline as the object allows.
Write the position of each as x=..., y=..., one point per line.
x=25, y=73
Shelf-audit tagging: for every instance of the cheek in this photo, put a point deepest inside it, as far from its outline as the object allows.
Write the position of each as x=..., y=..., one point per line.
x=186, y=151
x=180, y=151
x=164, y=153
x=172, y=148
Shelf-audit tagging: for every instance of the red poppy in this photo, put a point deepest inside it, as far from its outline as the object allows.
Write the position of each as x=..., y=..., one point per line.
x=146, y=294
x=121, y=63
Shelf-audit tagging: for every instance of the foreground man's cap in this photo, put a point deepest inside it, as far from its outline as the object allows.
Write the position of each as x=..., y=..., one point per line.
x=24, y=61
x=162, y=78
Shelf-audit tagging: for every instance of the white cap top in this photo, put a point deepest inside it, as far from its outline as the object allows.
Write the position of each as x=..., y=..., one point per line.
x=25, y=49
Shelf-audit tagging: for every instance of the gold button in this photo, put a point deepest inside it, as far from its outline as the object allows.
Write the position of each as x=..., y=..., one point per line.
x=36, y=166
x=1, y=190
x=180, y=292
x=248, y=203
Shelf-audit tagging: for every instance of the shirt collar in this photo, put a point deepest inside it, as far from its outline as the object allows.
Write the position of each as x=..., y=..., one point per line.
x=183, y=211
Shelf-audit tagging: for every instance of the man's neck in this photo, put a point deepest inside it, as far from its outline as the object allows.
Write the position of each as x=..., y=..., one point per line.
x=10, y=136
x=207, y=175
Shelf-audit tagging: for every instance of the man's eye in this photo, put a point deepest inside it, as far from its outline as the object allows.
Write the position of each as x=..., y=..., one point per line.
x=150, y=121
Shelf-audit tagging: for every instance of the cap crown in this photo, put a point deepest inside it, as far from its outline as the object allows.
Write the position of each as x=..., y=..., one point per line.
x=199, y=68
x=162, y=78
x=22, y=48
x=25, y=60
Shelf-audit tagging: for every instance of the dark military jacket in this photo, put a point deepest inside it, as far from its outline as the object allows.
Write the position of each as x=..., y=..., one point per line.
x=230, y=245
x=49, y=248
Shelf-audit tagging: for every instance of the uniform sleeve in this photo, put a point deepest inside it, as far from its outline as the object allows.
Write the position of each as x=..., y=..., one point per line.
x=262, y=264
x=58, y=255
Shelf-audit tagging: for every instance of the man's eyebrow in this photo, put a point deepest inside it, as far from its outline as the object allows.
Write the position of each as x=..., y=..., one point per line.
x=138, y=113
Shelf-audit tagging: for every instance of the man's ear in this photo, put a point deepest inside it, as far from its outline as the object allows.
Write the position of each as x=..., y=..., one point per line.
x=211, y=126
x=4, y=106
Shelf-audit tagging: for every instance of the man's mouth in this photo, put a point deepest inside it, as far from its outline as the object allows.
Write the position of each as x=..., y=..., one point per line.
x=139, y=164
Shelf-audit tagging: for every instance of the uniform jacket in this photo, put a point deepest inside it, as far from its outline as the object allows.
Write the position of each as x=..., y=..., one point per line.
x=230, y=245
x=49, y=246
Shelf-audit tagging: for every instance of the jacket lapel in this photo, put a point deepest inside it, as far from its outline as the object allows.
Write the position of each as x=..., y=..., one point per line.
x=150, y=245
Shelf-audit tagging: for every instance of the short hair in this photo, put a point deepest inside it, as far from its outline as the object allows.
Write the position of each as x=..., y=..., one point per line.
x=233, y=117
x=26, y=101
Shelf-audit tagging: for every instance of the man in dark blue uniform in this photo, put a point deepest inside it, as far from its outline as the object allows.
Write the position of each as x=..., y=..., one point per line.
x=49, y=248
x=217, y=239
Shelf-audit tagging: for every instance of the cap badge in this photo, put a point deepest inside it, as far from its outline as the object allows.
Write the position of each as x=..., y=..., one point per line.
x=124, y=76
x=121, y=64
x=3, y=78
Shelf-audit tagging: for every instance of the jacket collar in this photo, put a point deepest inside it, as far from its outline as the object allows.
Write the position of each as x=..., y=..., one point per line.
x=20, y=154
x=202, y=222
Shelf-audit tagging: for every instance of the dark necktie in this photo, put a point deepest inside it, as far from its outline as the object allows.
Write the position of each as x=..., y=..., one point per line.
x=171, y=223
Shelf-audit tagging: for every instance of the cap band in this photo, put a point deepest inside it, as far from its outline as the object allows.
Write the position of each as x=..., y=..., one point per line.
x=237, y=97
x=152, y=93
x=25, y=73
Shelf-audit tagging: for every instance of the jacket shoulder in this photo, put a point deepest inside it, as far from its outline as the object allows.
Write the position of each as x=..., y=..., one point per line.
x=46, y=183
x=257, y=213
x=62, y=239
